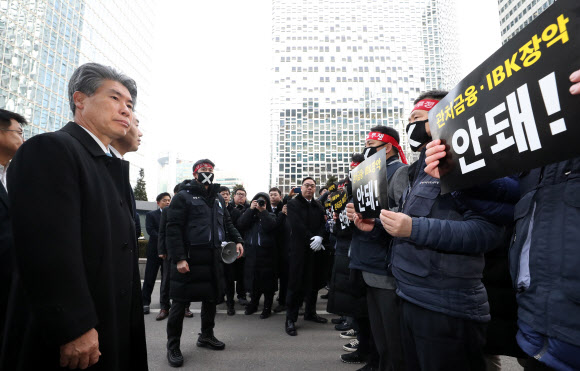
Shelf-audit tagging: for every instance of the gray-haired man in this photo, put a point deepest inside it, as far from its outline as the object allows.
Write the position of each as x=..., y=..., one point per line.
x=77, y=292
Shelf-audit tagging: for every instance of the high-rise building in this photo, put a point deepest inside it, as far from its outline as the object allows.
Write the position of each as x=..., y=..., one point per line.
x=43, y=41
x=517, y=14
x=342, y=67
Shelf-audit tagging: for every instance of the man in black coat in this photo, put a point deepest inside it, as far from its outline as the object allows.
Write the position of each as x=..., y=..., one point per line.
x=197, y=223
x=240, y=205
x=259, y=226
x=154, y=262
x=280, y=209
x=78, y=288
x=307, y=272
x=229, y=269
x=11, y=138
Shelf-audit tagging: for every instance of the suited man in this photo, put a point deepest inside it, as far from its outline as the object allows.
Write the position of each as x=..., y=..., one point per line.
x=119, y=147
x=11, y=138
x=78, y=293
x=154, y=262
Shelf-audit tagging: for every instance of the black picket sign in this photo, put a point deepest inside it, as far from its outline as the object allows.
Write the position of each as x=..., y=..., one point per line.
x=369, y=187
x=514, y=112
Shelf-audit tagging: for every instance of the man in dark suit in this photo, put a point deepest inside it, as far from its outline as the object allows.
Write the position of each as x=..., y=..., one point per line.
x=154, y=262
x=306, y=260
x=119, y=147
x=78, y=293
x=11, y=138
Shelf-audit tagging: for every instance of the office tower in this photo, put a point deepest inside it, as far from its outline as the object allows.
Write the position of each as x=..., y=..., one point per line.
x=517, y=14
x=342, y=67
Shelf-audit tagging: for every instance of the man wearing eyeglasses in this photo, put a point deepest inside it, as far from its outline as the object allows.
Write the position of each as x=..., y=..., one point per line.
x=306, y=258
x=11, y=137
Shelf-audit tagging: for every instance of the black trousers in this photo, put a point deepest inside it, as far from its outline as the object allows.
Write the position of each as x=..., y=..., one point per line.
x=154, y=263
x=268, y=298
x=295, y=298
x=366, y=344
x=238, y=266
x=385, y=318
x=283, y=274
x=175, y=321
x=434, y=341
x=230, y=283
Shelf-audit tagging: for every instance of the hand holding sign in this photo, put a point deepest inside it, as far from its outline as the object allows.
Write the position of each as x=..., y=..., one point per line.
x=370, y=193
x=396, y=224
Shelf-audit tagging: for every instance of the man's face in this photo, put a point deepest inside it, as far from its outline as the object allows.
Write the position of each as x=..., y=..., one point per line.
x=308, y=188
x=240, y=197
x=133, y=137
x=10, y=141
x=275, y=197
x=420, y=115
x=226, y=196
x=109, y=110
x=165, y=201
x=204, y=169
x=323, y=192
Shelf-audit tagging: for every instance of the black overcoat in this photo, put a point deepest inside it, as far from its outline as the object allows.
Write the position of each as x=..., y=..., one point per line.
x=260, y=228
x=6, y=261
x=307, y=269
x=76, y=254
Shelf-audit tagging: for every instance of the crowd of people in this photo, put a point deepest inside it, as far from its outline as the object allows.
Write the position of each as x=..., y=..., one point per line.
x=437, y=282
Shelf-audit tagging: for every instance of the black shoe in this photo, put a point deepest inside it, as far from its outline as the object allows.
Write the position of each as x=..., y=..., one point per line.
x=290, y=327
x=243, y=301
x=250, y=309
x=325, y=296
x=267, y=312
x=343, y=326
x=187, y=313
x=209, y=341
x=146, y=309
x=352, y=346
x=368, y=367
x=336, y=321
x=354, y=357
x=280, y=308
x=175, y=357
x=231, y=310
x=350, y=334
x=315, y=318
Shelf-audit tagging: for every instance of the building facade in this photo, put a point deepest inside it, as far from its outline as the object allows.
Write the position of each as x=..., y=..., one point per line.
x=517, y=14
x=342, y=67
x=44, y=41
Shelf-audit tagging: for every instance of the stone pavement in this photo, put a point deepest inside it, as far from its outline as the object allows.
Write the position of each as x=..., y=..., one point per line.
x=255, y=344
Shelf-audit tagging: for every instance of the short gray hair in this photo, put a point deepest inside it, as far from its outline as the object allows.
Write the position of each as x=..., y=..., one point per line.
x=89, y=77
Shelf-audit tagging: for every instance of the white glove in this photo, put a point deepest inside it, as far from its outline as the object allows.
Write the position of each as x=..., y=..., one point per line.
x=316, y=243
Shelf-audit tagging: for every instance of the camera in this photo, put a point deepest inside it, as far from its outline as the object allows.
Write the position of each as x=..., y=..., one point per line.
x=261, y=203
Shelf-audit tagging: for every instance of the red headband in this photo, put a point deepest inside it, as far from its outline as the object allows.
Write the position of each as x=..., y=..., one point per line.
x=425, y=105
x=205, y=164
x=388, y=139
x=354, y=164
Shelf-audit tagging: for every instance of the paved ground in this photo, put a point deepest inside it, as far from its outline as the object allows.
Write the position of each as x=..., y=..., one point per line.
x=255, y=344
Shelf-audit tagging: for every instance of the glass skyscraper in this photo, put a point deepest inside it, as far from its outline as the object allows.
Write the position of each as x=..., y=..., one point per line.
x=517, y=14
x=43, y=41
x=341, y=67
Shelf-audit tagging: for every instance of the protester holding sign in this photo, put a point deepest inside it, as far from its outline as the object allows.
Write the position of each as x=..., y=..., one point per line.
x=438, y=262
x=370, y=255
x=544, y=257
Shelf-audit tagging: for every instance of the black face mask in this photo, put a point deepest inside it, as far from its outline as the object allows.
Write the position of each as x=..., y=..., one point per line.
x=205, y=178
x=369, y=151
x=348, y=187
x=417, y=134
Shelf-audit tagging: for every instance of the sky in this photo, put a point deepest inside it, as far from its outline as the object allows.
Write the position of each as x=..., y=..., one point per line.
x=211, y=78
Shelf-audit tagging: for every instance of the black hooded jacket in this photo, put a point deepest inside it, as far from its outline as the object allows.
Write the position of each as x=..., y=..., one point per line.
x=197, y=221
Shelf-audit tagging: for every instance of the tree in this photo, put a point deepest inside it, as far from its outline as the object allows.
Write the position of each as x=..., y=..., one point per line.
x=139, y=190
x=331, y=180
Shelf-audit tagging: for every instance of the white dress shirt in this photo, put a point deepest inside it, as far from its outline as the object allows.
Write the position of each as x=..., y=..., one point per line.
x=103, y=147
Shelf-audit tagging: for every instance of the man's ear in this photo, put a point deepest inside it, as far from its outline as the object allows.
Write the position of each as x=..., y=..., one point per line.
x=79, y=99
